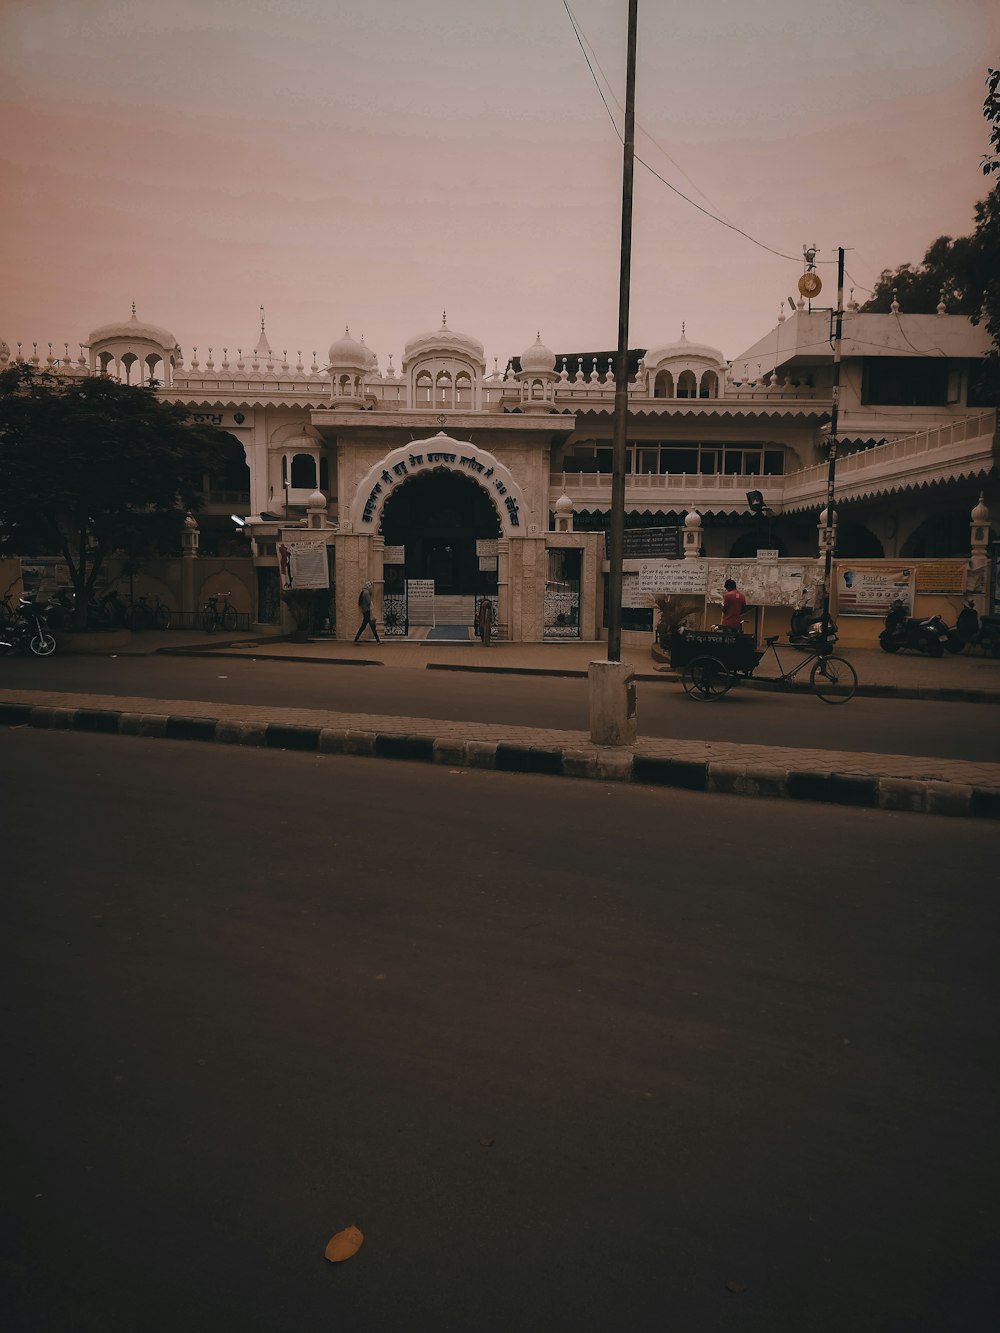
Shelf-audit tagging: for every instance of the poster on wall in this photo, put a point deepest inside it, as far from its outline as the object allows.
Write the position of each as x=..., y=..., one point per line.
x=303, y=565
x=394, y=555
x=942, y=576
x=870, y=589
x=765, y=583
x=677, y=576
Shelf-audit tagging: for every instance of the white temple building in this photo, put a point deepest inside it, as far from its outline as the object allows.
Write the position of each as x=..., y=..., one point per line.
x=472, y=482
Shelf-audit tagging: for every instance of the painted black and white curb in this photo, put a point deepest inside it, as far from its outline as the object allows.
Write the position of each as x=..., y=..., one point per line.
x=924, y=796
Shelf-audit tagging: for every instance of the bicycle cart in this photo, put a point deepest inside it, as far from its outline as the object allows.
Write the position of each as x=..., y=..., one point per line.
x=711, y=660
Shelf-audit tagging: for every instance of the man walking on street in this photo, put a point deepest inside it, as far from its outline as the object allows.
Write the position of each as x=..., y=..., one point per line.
x=365, y=603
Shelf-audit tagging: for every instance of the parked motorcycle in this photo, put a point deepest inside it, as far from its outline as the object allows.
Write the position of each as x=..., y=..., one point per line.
x=28, y=632
x=973, y=631
x=805, y=629
x=903, y=632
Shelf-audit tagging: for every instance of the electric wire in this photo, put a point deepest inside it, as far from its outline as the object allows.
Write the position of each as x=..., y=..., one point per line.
x=795, y=259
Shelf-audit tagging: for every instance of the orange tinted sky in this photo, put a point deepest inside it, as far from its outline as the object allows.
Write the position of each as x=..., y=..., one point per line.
x=372, y=162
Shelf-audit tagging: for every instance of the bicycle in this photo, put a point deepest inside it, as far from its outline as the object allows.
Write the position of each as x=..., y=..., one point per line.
x=148, y=612
x=710, y=661
x=214, y=617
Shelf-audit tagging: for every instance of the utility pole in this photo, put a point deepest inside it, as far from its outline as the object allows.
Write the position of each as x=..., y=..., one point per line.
x=617, y=535
x=831, y=473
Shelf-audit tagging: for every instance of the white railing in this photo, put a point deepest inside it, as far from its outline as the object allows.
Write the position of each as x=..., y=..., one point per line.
x=894, y=460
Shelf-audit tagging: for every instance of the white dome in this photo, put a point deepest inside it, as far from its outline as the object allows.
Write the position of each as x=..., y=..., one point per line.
x=445, y=340
x=564, y=505
x=133, y=330
x=682, y=350
x=980, y=514
x=692, y=519
x=317, y=500
x=538, y=358
x=348, y=354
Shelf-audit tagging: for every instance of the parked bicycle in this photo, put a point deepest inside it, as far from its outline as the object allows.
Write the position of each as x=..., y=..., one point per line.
x=214, y=616
x=148, y=612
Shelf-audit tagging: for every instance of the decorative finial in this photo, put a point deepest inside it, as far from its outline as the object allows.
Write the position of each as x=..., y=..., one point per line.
x=683, y=328
x=262, y=319
x=444, y=319
x=942, y=309
x=133, y=310
x=895, y=303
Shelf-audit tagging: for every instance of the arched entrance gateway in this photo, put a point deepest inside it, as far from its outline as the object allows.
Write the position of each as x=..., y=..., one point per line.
x=443, y=508
x=436, y=519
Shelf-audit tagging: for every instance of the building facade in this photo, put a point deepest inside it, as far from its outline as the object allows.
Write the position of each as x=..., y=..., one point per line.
x=441, y=482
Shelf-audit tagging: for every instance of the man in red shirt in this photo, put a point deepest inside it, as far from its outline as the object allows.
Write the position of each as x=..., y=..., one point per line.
x=733, y=605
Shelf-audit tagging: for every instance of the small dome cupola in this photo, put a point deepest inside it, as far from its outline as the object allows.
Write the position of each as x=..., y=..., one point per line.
x=133, y=351
x=349, y=354
x=350, y=364
x=684, y=369
x=537, y=359
x=537, y=378
x=444, y=370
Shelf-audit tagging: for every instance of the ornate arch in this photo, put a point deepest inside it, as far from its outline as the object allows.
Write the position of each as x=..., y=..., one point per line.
x=439, y=451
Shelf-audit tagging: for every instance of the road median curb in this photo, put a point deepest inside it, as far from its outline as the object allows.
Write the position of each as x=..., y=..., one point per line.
x=760, y=779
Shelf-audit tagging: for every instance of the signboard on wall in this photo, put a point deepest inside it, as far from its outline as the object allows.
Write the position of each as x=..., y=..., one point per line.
x=764, y=584
x=394, y=555
x=420, y=590
x=303, y=565
x=943, y=576
x=666, y=543
x=680, y=576
x=487, y=546
x=870, y=589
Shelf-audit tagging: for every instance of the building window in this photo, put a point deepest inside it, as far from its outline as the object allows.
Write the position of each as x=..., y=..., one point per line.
x=425, y=390
x=463, y=391
x=709, y=385
x=687, y=385
x=443, y=397
x=303, y=472
x=899, y=381
x=663, y=385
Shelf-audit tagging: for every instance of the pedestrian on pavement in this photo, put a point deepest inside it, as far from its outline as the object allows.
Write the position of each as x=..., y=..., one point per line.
x=365, y=605
x=733, y=605
x=486, y=618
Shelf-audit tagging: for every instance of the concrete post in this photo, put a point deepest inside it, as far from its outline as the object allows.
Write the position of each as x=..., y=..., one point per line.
x=979, y=540
x=612, y=703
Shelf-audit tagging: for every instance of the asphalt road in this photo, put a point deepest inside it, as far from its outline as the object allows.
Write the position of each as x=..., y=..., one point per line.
x=746, y=715
x=572, y=1056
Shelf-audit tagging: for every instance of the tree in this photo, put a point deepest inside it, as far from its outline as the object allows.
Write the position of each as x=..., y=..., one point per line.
x=966, y=270
x=92, y=466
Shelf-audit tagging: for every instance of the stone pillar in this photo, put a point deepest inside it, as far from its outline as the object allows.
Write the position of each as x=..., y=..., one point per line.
x=612, y=703
x=692, y=535
x=979, y=541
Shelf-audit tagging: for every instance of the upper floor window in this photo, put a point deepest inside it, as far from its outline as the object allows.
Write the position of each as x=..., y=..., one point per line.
x=303, y=472
x=443, y=390
x=709, y=387
x=687, y=385
x=425, y=390
x=901, y=381
x=463, y=391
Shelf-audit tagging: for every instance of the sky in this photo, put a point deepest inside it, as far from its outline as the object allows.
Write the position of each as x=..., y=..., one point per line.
x=373, y=163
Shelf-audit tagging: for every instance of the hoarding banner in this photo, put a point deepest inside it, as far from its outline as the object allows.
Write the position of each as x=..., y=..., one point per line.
x=870, y=589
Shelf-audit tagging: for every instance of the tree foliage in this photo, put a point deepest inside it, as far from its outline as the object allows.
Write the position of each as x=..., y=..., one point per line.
x=964, y=271
x=92, y=466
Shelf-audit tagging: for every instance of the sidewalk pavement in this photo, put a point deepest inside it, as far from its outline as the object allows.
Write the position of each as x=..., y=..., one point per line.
x=959, y=677
x=888, y=782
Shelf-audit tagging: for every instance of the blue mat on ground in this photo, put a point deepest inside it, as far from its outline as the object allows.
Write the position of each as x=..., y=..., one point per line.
x=449, y=632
